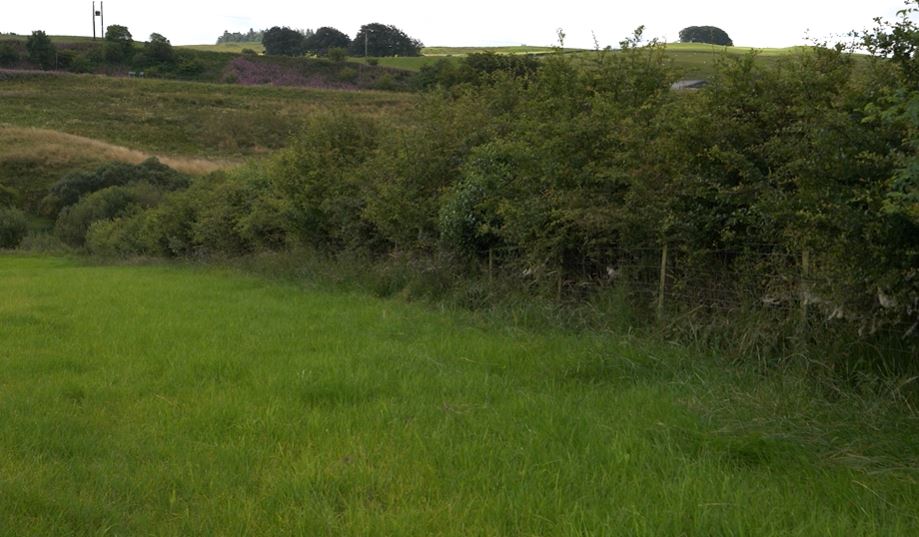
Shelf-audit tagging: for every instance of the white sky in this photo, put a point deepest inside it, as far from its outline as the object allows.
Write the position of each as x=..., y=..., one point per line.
x=764, y=23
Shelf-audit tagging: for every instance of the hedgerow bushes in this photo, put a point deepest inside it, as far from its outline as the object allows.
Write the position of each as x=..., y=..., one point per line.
x=783, y=193
x=13, y=227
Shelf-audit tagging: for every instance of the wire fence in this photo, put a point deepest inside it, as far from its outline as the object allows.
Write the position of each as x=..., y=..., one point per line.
x=762, y=297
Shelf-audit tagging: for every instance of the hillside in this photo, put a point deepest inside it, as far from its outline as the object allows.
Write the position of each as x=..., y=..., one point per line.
x=51, y=124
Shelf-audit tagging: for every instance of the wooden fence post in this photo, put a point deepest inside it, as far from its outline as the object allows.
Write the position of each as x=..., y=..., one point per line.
x=805, y=274
x=491, y=266
x=663, y=283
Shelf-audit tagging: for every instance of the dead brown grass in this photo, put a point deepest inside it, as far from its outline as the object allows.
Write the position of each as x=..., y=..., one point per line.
x=59, y=149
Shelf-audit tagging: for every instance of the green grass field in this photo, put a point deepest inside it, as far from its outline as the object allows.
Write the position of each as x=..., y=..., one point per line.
x=235, y=48
x=168, y=400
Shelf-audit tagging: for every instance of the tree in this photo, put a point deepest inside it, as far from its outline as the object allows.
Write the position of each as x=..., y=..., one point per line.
x=283, y=42
x=118, y=43
x=377, y=39
x=324, y=39
x=705, y=34
x=159, y=49
x=41, y=49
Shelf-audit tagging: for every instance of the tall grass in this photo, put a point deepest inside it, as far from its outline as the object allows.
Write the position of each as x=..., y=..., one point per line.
x=176, y=401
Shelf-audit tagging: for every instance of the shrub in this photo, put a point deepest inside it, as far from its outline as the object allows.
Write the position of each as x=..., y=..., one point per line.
x=385, y=83
x=13, y=227
x=42, y=51
x=73, y=186
x=113, y=202
x=347, y=74
x=318, y=176
x=118, y=237
x=190, y=67
x=9, y=55
x=81, y=63
x=8, y=196
x=337, y=54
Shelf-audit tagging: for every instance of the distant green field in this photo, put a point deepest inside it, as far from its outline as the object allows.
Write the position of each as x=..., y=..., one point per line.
x=695, y=60
x=465, y=51
x=228, y=47
x=698, y=60
x=188, y=401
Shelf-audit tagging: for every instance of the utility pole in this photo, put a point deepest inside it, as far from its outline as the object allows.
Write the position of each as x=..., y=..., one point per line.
x=94, y=21
x=102, y=19
x=366, y=33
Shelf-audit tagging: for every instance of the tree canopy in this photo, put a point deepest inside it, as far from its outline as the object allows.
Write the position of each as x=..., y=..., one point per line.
x=251, y=36
x=705, y=34
x=159, y=49
x=118, y=43
x=41, y=49
x=377, y=39
x=326, y=38
x=283, y=42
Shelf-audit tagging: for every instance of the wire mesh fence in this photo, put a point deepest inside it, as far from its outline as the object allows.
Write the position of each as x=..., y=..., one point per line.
x=765, y=298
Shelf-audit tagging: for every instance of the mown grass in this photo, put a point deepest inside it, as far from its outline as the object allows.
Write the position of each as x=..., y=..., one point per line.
x=176, y=118
x=189, y=401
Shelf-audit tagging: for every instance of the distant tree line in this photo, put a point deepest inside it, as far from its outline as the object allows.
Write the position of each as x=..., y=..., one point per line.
x=157, y=56
x=251, y=36
x=373, y=39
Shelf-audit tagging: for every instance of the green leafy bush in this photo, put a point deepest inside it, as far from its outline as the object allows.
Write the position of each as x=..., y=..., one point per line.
x=42, y=51
x=113, y=202
x=8, y=196
x=9, y=55
x=73, y=186
x=13, y=227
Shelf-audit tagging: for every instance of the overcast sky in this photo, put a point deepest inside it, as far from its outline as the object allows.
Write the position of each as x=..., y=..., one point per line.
x=764, y=23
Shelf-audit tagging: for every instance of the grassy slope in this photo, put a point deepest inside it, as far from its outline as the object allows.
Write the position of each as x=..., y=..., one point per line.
x=53, y=124
x=697, y=61
x=32, y=159
x=235, y=48
x=176, y=401
x=178, y=118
